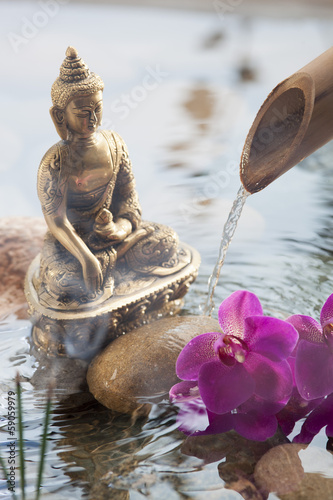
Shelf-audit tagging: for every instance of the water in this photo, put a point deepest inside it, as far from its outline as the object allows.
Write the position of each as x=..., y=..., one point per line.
x=184, y=140
x=227, y=235
x=94, y=453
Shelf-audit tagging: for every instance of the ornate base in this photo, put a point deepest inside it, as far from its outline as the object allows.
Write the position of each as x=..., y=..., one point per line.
x=137, y=300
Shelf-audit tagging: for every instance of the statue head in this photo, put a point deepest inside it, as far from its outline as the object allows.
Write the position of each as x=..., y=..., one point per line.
x=75, y=81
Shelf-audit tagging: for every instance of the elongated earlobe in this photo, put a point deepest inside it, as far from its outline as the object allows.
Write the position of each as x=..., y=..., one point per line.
x=58, y=118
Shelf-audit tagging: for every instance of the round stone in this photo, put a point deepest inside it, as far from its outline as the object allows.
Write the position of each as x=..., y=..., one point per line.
x=21, y=240
x=292, y=471
x=138, y=369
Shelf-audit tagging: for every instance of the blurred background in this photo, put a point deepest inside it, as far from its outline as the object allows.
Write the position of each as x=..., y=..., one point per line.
x=183, y=79
x=183, y=83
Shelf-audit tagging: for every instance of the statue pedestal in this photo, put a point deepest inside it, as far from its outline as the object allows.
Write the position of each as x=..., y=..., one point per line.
x=137, y=299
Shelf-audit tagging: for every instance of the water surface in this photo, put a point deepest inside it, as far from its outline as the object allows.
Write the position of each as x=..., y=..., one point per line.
x=185, y=140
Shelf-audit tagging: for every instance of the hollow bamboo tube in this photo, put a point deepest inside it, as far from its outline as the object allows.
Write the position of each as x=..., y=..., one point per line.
x=295, y=120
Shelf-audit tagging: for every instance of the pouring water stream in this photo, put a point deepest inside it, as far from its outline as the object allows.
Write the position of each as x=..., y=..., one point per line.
x=227, y=235
x=294, y=121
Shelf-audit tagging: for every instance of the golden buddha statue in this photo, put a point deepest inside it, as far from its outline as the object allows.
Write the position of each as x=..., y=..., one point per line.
x=97, y=246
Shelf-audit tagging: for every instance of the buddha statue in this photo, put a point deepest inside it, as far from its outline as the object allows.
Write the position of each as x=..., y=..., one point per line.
x=87, y=192
x=97, y=247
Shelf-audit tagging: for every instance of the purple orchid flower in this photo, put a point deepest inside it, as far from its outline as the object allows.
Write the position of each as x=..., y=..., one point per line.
x=320, y=417
x=314, y=353
x=297, y=407
x=255, y=419
x=247, y=360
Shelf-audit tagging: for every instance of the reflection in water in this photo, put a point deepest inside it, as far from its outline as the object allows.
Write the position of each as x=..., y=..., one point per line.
x=236, y=457
x=213, y=40
x=201, y=106
x=246, y=72
x=112, y=455
x=195, y=142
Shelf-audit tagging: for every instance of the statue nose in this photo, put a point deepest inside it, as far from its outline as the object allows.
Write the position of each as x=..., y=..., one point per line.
x=93, y=117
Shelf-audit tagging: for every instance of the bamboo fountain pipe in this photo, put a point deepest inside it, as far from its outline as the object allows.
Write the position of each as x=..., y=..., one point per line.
x=295, y=120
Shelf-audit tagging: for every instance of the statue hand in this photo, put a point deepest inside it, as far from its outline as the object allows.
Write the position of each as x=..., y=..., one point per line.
x=114, y=232
x=105, y=231
x=92, y=274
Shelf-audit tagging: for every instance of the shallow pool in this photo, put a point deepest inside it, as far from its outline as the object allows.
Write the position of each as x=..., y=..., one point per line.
x=184, y=135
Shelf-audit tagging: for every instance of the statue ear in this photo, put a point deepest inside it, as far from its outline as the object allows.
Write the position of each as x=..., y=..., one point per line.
x=58, y=118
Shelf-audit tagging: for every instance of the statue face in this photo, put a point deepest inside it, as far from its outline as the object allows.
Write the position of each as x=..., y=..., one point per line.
x=83, y=115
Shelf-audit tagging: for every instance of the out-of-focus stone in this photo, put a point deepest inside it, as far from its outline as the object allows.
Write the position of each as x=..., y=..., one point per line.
x=21, y=240
x=281, y=471
x=230, y=446
x=67, y=376
x=138, y=368
x=238, y=456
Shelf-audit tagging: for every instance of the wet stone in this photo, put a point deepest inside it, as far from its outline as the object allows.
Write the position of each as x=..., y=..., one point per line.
x=138, y=369
x=281, y=471
x=230, y=446
x=21, y=240
x=67, y=376
x=238, y=456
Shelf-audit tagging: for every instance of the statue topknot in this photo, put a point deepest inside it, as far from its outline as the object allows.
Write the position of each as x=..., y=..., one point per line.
x=75, y=79
x=71, y=52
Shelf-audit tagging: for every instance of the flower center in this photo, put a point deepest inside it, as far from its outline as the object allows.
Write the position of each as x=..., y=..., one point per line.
x=232, y=350
x=328, y=336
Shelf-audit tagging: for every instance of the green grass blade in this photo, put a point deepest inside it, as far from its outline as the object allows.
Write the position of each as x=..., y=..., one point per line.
x=44, y=440
x=20, y=430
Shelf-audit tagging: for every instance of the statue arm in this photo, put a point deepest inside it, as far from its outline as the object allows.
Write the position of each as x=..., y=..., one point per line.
x=52, y=196
x=125, y=203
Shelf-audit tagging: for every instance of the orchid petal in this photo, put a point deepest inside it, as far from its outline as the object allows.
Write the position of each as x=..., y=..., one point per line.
x=192, y=417
x=255, y=426
x=234, y=309
x=292, y=362
x=296, y=408
x=260, y=405
x=286, y=421
x=326, y=313
x=304, y=437
x=273, y=338
x=222, y=387
x=184, y=391
x=273, y=381
x=320, y=417
x=219, y=423
x=197, y=352
x=308, y=328
x=329, y=430
x=314, y=370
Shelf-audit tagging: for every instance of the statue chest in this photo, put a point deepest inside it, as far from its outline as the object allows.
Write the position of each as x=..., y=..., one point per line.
x=90, y=170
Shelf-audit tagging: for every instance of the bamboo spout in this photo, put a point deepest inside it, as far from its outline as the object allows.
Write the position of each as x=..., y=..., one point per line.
x=295, y=120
